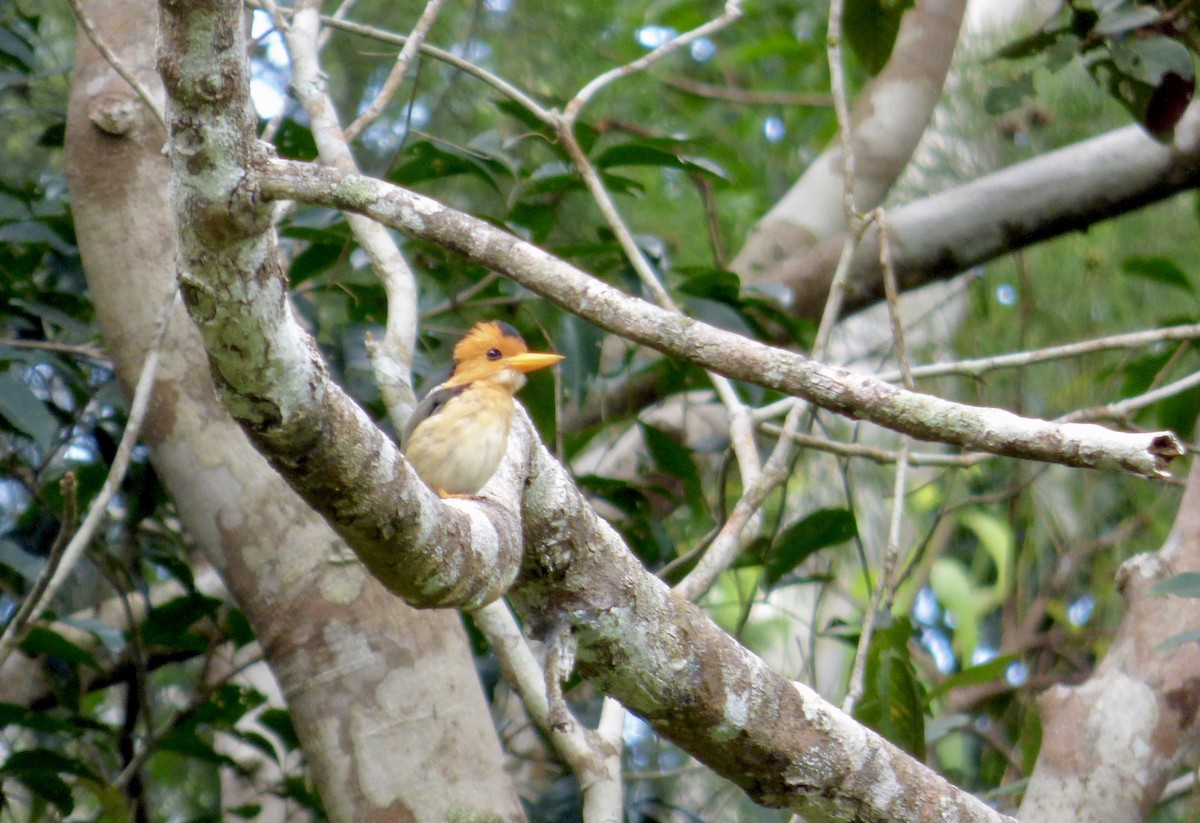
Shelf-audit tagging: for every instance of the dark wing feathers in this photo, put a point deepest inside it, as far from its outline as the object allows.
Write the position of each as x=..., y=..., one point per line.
x=433, y=402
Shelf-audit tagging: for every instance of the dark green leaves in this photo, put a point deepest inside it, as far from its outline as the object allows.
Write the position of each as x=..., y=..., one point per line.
x=1160, y=270
x=1142, y=60
x=24, y=411
x=801, y=540
x=870, y=28
x=42, y=770
x=893, y=698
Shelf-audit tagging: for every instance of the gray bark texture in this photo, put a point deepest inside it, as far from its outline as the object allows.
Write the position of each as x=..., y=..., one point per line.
x=385, y=699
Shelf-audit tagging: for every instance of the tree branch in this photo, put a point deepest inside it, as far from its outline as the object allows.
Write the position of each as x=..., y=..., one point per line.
x=1052, y=194
x=919, y=415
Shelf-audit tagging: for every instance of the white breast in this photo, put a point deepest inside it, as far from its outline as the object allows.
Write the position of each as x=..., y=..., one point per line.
x=459, y=448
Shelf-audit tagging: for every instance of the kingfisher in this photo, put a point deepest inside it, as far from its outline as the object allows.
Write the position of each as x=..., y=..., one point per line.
x=458, y=434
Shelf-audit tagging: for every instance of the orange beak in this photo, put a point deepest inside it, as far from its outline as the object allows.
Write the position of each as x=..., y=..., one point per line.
x=531, y=361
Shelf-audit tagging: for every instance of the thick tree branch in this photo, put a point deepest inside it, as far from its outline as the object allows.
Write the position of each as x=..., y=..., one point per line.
x=884, y=127
x=1053, y=194
x=921, y=416
x=1111, y=743
x=269, y=371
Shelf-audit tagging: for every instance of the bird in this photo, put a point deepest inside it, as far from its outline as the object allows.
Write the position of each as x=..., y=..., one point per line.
x=458, y=434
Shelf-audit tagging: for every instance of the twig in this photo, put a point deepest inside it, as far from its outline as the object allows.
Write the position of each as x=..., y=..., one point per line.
x=503, y=86
x=741, y=430
x=753, y=98
x=876, y=454
x=733, y=10
x=593, y=756
x=19, y=625
x=90, y=352
x=15, y=633
x=461, y=298
x=1123, y=409
x=900, y=486
x=980, y=366
x=111, y=58
x=841, y=105
x=392, y=356
x=407, y=52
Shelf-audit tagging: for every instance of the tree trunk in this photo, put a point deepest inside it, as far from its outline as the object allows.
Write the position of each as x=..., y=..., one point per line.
x=385, y=699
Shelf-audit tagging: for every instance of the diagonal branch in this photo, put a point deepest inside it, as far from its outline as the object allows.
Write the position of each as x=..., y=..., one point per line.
x=919, y=415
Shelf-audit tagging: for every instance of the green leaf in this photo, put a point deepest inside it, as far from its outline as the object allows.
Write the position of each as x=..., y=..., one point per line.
x=424, y=160
x=168, y=625
x=657, y=153
x=673, y=458
x=993, y=669
x=1034, y=44
x=279, y=721
x=954, y=590
x=801, y=540
x=24, y=411
x=13, y=714
x=1007, y=96
x=1148, y=58
x=1160, y=270
x=870, y=28
x=45, y=760
x=34, y=232
x=48, y=787
x=1178, y=412
x=295, y=141
x=722, y=286
x=41, y=641
x=1184, y=584
x=1120, y=18
x=893, y=698
x=246, y=811
x=314, y=260
x=996, y=536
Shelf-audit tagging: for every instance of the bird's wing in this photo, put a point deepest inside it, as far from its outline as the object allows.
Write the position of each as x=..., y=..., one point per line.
x=433, y=402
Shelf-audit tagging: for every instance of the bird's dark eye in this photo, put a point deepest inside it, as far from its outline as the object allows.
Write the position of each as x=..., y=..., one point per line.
x=493, y=354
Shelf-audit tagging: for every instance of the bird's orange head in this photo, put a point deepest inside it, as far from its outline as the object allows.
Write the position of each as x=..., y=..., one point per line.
x=495, y=352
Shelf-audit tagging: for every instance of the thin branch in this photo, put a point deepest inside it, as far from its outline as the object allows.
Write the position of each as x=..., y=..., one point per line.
x=382, y=35
x=733, y=10
x=879, y=455
x=407, y=52
x=741, y=430
x=18, y=627
x=88, y=351
x=981, y=366
x=15, y=632
x=841, y=105
x=392, y=356
x=593, y=756
x=1123, y=409
x=85, y=23
x=900, y=486
x=747, y=96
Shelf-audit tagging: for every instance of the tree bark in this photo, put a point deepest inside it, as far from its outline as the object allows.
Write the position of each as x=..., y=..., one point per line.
x=940, y=236
x=385, y=699
x=886, y=123
x=1110, y=744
